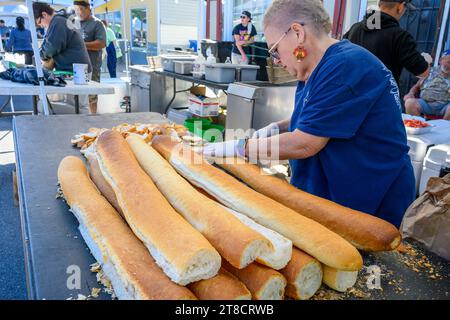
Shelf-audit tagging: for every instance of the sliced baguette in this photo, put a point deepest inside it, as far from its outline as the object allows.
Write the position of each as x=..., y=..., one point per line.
x=124, y=259
x=303, y=274
x=339, y=280
x=237, y=243
x=364, y=231
x=264, y=283
x=306, y=234
x=224, y=286
x=281, y=254
x=186, y=258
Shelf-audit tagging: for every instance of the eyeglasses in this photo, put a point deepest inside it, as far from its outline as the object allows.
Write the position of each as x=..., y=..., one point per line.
x=274, y=49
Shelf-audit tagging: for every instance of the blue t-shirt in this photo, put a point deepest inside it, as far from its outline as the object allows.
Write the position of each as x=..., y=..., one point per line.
x=353, y=99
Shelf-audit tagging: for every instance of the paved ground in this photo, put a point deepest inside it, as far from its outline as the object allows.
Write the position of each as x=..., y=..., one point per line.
x=12, y=272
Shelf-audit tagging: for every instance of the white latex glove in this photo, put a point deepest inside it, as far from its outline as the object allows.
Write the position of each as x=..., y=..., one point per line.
x=222, y=149
x=427, y=57
x=266, y=132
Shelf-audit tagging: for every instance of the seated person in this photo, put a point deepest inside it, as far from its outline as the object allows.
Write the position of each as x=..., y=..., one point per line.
x=431, y=95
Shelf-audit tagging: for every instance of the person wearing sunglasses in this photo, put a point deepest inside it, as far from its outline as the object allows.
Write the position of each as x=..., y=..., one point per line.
x=380, y=33
x=244, y=34
x=345, y=140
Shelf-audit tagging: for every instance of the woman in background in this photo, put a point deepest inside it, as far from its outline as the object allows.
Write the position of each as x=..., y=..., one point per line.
x=20, y=41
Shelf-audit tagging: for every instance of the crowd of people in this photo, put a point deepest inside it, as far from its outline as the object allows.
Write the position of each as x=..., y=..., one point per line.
x=65, y=42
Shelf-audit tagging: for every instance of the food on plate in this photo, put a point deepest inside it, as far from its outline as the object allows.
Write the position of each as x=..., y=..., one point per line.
x=412, y=123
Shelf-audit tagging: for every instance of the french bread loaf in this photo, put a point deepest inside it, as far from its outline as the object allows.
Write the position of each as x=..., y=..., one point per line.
x=224, y=286
x=303, y=274
x=124, y=259
x=264, y=283
x=236, y=243
x=306, y=234
x=180, y=250
x=277, y=258
x=364, y=231
x=102, y=185
x=339, y=280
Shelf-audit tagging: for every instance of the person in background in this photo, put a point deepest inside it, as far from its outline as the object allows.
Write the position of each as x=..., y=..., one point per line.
x=431, y=96
x=94, y=35
x=112, y=49
x=345, y=140
x=62, y=46
x=394, y=46
x=4, y=32
x=20, y=41
x=244, y=34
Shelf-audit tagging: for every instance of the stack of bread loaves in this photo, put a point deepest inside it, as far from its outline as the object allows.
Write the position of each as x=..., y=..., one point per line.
x=165, y=224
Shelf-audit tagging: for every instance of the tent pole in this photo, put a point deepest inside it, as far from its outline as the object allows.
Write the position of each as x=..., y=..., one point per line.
x=37, y=58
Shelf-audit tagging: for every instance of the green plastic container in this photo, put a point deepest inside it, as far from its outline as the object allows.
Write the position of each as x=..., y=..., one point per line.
x=200, y=128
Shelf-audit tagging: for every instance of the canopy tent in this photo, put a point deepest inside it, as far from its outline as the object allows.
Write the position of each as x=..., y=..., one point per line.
x=25, y=8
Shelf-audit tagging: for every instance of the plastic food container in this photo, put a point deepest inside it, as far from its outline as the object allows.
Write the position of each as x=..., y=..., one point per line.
x=248, y=72
x=221, y=72
x=168, y=61
x=418, y=131
x=183, y=67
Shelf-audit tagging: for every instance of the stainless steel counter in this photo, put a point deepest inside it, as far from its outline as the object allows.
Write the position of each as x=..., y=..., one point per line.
x=255, y=105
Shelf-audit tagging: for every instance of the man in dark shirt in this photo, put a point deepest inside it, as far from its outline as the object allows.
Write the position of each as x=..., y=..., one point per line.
x=244, y=34
x=381, y=34
x=62, y=46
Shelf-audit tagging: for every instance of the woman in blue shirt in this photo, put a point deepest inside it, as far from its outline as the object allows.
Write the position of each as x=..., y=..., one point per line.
x=345, y=139
x=20, y=41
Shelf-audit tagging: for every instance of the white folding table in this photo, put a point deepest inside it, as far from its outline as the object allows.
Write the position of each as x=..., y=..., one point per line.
x=9, y=88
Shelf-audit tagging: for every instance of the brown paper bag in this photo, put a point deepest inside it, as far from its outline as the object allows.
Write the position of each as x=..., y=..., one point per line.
x=428, y=219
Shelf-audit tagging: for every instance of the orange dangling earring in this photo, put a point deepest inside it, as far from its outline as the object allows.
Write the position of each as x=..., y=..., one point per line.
x=300, y=53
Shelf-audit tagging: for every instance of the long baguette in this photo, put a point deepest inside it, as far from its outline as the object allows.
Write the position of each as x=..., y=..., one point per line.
x=339, y=280
x=282, y=253
x=224, y=286
x=236, y=243
x=306, y=234
x=364, y=231
x=303, y=274
x=103, y=186
x=264, y=283
x=180, y=250
x=124, y=259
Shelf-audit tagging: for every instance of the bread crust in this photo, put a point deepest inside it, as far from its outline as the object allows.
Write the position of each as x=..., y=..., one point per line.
x=364, y=231
x=306, y=234
x=149, y=214
x=232, y=239
x=114, y=237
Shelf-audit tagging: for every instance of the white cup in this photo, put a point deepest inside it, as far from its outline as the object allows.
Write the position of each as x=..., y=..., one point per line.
x=80, y=74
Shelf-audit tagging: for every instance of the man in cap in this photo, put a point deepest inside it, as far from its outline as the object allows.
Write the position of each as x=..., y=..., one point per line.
x=94, y=35
x=431, y=96
x=381, y=34
x=244, y=34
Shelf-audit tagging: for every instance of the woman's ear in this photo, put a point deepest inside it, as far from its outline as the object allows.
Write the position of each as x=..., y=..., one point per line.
x=299, y=30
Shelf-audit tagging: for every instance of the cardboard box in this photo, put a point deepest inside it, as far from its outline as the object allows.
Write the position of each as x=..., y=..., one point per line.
x=203, y=103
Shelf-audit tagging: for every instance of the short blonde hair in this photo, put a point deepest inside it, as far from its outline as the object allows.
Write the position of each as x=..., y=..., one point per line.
x=282, y=13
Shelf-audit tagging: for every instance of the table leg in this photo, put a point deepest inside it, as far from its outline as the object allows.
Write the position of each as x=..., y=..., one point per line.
x=35, y=105
x=77, y=104
x=173, y=97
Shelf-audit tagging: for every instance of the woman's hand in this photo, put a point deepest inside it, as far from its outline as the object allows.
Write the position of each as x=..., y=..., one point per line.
x=268, y=131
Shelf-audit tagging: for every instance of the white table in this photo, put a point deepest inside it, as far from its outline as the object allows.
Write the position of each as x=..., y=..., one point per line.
x=9, y=88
